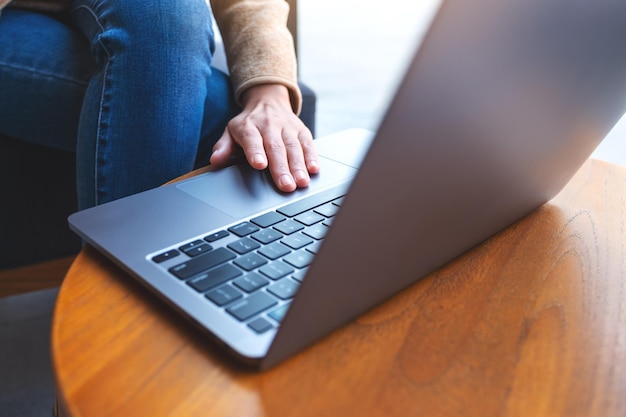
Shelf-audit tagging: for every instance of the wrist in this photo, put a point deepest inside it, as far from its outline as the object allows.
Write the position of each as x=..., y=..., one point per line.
x=267, y=93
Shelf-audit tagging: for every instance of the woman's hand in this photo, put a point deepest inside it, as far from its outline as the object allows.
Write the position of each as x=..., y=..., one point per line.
x=271, y=135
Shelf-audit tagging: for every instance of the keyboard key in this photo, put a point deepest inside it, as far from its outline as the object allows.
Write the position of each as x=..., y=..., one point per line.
x=202, y=263
x=198, y=250
x=162, y=257
x=250, y=261
x=309, y=218
x=274, y=250
x=214, y=277
x=328, y=210
x=260, y=325
x=314, y=247
x=251, y=282
x=313, y=201
x=296, y=241
x=224, y=295
x=243, y=229
x=252, y=305
x=317, y=231
x=289, y=226
x=268, y=219
x=244, y=245
x=276, y=270
x=266, y=236
x=299, y=259
x=279, y=313
x=299, y=275
x=216, y=236
x=284, y=289
x=191, y=245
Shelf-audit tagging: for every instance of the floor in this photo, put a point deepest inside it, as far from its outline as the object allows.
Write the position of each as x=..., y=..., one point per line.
x=351, y=53
x=26, y=382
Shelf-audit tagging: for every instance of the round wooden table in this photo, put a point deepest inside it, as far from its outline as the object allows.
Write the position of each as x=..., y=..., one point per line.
x=530, y=323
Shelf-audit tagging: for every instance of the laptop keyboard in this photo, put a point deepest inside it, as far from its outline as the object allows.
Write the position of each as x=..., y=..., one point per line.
x=253, y=269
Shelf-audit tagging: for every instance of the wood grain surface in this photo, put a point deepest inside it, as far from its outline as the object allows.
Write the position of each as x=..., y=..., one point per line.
x=529, y=323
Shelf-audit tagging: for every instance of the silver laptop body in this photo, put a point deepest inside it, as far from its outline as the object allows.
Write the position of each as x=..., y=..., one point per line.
x=498, y=109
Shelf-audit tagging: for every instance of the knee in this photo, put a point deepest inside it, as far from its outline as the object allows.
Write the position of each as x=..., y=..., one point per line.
x=178, y=22
x=159, y=22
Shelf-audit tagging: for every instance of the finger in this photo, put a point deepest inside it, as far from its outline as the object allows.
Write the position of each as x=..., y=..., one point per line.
x=250, y=139
x=278, y=161
x=296, y=161
x=310, y=153
x=223, y=149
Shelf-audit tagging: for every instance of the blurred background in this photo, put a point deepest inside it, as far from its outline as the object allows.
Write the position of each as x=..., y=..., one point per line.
x=353, y=52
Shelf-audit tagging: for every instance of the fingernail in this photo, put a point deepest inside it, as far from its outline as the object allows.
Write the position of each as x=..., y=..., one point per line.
x=300, y=175
x=286, y=181
x=258, y=159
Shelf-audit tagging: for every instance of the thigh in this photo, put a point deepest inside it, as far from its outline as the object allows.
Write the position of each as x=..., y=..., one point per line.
x=143, y=117
x=45, y=67
x=219, y=108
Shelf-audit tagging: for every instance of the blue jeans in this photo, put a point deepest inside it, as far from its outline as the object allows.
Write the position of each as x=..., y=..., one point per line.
x=126, y=84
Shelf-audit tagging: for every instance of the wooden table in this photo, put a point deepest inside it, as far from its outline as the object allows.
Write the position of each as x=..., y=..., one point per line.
x=530, y=323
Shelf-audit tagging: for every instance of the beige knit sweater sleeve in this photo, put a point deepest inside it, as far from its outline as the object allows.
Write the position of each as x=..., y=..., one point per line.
x=258, y=45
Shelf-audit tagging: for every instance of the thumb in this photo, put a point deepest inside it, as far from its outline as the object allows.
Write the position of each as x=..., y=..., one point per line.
x=222, y=150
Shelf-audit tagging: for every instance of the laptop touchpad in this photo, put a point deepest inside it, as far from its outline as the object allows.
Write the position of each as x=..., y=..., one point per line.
x=241, y=191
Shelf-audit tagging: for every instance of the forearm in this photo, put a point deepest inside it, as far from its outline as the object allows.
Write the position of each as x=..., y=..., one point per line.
x=258, y=45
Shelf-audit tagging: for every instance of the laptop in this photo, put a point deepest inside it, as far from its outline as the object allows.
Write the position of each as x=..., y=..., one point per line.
x=501, y=104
